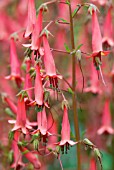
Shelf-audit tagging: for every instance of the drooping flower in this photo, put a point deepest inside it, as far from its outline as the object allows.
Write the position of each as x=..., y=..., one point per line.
x=21, y=119
x=13, y=107
x=15, y=66
x=28, y=81
x=108, y=30
x=31, y=157
x=38, y=88
x=94, y=87
x=17, y=158
x=65, y=132
x=106, y=120
x=10, y=103
x=31, y=18
x=42, y=125
x=50, y=64
x=96, y=42
x=36, y=39
x=97, y=45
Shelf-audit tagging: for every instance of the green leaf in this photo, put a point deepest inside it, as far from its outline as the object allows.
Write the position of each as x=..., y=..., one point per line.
x=9, y=112
x=38, y=109
x=63, y=20
x=22, y=143
x=98, y=155
x=88, y=142
x=70, y=90
x=25, y=152
x=79, y=46
x=11, y=135
x=66, y=47
x=10, y=157
x=36, y=144
x=67, y=2
x=74, y=12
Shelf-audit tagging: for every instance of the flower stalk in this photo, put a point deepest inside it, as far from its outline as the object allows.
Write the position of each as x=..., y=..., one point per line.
x=74, y=103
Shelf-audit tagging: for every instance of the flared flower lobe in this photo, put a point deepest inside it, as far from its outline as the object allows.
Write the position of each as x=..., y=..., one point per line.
x=106, y=120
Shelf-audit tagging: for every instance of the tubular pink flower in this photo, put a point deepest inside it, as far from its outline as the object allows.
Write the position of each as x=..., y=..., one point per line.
x=17, y=163
x=106, y=120
x=36, y=40
x=28, y=81
x=65, y=132
x=13, y=107
x=31, y=18
x=15, y=66
x=31, y=157
x=94, y=87
x=21, y=120
x=42, y=125
x=108, y=30
x=50, y=64
x=96, y=40
x=10, y=103
x=38, y=88
x=42, y=122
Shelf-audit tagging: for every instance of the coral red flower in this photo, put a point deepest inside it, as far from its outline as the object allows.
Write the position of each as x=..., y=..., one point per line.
x=50, y=64
x=31, y=18
x=13, y=107
x=21, y=120
x=65, y=132
x=106, y=120
x=38, y=88
x=10, y=103
x=15, y=66
x=36, y=39
x=96, y=41
x=17, y=158
x=42, y=125
x=108, y=30
x=28, y=81
x=31, y=157
x=94, y=87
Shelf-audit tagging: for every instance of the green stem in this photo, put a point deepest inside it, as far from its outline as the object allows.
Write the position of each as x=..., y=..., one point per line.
x=75, y=114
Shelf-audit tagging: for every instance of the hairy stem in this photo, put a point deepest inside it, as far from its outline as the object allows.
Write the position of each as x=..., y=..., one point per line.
x=75, y=114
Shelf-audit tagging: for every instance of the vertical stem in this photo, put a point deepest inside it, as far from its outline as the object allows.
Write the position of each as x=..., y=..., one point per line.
x=75, y=114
